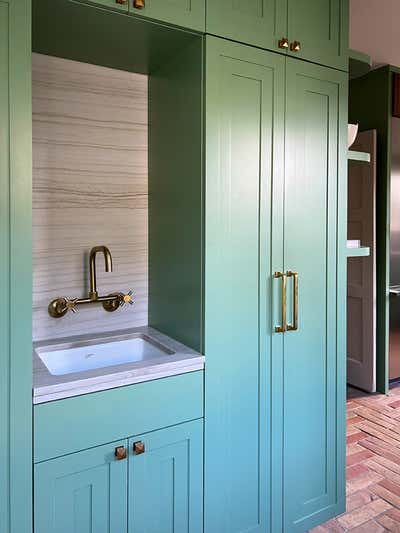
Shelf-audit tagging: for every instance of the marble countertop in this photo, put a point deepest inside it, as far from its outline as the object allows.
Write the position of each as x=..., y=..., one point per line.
x=48, y=387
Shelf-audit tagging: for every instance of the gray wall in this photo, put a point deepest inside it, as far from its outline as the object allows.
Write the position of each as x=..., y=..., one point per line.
x=90, y=179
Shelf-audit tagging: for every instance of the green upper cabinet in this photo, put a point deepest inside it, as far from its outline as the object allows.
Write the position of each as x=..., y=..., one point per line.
x=186, y=13
x=84, y=492
x=321, y=27
x=261, y=23
x=121, y=5
x=315, y=30
x=166, y=480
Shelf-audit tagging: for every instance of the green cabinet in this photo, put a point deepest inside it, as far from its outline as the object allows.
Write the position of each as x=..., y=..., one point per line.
x=82, y=493
x=15, y=267
x=274, y=402
x=322, y=29
x=186, y=13
x=319, y=26
x=166, y=481
x=157, y=491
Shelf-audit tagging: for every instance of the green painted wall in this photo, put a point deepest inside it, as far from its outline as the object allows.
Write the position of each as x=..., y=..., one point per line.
x=176, y=197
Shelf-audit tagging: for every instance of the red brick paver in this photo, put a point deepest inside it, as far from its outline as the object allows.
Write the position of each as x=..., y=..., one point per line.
x=373, y=465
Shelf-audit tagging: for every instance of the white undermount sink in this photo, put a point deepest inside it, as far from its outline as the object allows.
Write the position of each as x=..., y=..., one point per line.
x=91, y=355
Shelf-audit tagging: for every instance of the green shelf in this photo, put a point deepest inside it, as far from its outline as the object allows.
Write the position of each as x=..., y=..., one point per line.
x=362, y=251
x=359, y=156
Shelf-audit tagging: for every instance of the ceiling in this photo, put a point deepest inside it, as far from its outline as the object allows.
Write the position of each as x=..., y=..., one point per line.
x=375, y=29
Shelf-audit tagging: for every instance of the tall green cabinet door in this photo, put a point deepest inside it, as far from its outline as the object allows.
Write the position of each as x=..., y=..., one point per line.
x=186, y=13
x=15, y=267
x=260, y=23
x=320, y=28
x=314, y=359
x=244, y=170
x=166, y=480
x=85, y=492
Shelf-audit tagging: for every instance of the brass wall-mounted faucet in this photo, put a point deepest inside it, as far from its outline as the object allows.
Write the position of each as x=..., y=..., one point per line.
x=60, y=306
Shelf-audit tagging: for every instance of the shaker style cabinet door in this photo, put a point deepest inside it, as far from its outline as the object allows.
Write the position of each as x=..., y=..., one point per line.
x=85, y=492
x=186, y=13
x=244, y=171
x=319, y=31
x=166, y=480
x=260, y=23
x=313, y=427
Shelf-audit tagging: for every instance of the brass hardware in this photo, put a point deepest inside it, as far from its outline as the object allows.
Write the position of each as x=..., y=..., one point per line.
x=295, y=325
x=121, y=1
x=92, y=264
x=138, y=448
x=139, y=4
x=120, y=453
x=283, y=43
x=295, y=46
x=283, y=327
x=59, y=307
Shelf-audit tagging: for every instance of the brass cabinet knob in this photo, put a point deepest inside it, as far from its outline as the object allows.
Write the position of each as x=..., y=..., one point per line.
x=139, y=4
x=138, y=448
x=120, y=453
x=295, y=46
x=283, y=43
x=121, y=1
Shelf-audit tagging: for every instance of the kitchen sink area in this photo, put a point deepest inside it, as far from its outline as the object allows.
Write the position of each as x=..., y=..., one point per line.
x=84, y=364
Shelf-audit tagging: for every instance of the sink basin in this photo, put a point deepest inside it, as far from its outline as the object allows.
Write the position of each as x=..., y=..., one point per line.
x=78, y=357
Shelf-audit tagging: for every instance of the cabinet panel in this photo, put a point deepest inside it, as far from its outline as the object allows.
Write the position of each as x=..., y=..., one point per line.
x=244, y=144
x=186, y=13
x=166, y=481
x=258, y=22
x=314, y=375
x=15, y=267
x=82, y=493
x=322, y=28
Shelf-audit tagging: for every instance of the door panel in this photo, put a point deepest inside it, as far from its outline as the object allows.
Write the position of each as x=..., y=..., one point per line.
x=361, y=285
x=84, y=492
x=321, y=27
x=186, y=13
x=244, y=144
x=258, y=22
x=313, y=442
x=166, y=481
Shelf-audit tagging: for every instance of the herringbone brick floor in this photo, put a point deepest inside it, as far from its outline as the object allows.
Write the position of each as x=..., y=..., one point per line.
x=373, y=465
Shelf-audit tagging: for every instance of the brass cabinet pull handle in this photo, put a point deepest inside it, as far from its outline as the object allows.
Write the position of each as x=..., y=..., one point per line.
x=295, y=325
x=121, y=1
x=295, y=46
x=138, y=448
x=139, y=4
x=120, y=453
x=283, y=327
x=283, y=43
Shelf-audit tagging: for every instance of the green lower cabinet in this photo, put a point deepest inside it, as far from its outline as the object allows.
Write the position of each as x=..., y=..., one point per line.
x=166, y=481
x=85, y=492
x=157, y=491
x=186, y=13
x=274, y=400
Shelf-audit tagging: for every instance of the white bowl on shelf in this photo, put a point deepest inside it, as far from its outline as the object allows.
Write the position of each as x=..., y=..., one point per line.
x=351, y=134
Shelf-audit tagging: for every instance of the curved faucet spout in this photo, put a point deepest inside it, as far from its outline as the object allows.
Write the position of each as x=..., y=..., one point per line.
x=92, y=265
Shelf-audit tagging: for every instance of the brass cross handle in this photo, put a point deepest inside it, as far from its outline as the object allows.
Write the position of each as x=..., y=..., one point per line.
x=70, y=304
x=127, y=298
